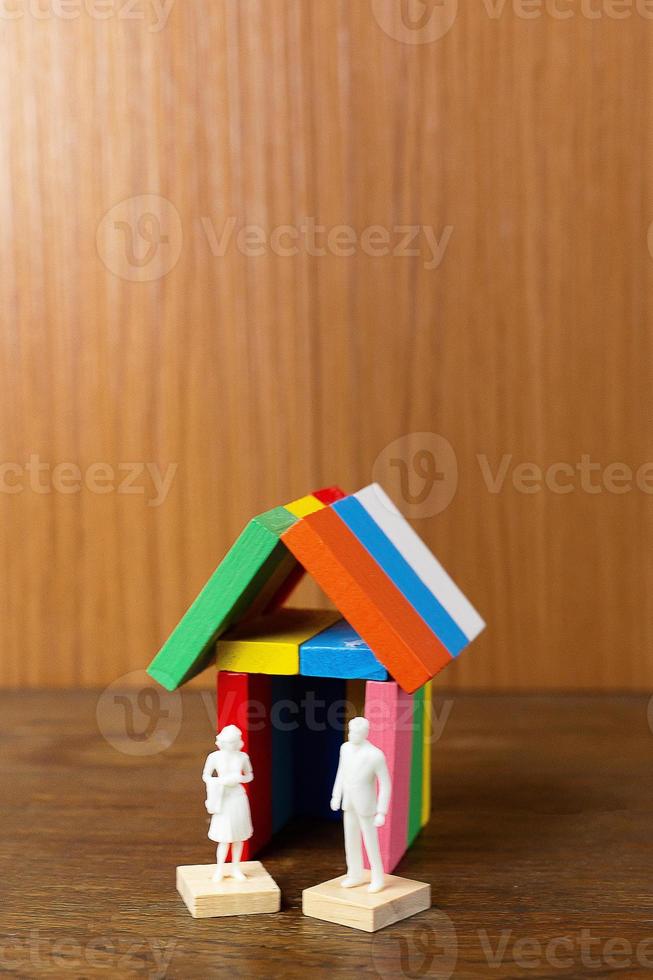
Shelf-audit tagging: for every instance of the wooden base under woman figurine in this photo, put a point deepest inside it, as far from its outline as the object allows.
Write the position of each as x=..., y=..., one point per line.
x=250, y=888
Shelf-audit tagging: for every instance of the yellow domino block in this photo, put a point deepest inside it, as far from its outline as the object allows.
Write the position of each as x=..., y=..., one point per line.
x=304, y=506
x=270, y=644
x=426, y=755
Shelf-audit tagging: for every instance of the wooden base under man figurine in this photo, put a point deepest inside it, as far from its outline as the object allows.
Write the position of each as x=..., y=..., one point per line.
x=360, y=899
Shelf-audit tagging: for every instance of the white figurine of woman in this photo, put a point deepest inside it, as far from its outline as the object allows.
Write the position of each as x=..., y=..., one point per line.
x=231, y=820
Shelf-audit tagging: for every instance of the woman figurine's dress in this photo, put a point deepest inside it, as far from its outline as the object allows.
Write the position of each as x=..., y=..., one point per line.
x=232, y=820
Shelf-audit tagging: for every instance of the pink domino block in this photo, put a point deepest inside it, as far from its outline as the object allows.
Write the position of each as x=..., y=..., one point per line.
x=389, y=711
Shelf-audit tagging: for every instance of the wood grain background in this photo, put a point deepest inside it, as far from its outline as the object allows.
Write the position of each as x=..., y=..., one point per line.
x=262, y=376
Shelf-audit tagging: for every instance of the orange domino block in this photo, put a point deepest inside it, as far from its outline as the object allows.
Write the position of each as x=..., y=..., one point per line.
x=367, y=598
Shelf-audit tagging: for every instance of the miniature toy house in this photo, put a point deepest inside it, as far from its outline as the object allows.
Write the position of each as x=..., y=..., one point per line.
x=289, y=678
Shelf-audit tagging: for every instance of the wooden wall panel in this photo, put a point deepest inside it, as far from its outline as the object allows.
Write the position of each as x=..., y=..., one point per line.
x=263, y=376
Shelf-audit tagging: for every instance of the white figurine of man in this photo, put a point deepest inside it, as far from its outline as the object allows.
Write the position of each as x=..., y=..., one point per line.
x=361, y=766
x=231, y=820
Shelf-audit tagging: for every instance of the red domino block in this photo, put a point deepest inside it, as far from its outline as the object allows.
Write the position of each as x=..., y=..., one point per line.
x=328, y=494
x=389, y=711
x=245, y=700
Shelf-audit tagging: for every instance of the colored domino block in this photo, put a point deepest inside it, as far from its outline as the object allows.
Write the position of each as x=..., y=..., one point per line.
x=318, y=742
x=245, y=700
x=304, y=506
x=426, y=767
x=393, y=563
x=328, y=494
x=416, y=768
x=417, y=555
x=244, y=572
x=339, y=652
x=283, y=695
x=367, y=598
x=389, y=711
x=270, y=644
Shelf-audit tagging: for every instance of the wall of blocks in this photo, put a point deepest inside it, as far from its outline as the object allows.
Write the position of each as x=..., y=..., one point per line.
x=293, y=727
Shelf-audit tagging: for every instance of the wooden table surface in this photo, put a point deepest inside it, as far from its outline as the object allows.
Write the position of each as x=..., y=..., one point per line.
x=539, y=849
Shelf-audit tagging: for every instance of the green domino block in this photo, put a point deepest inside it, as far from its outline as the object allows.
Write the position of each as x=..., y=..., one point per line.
x=416, y=767
x=253, y=569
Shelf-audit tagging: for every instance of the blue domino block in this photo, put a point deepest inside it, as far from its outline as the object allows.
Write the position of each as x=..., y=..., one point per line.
x=317, y=743
x=393, y=563
x=339, y=651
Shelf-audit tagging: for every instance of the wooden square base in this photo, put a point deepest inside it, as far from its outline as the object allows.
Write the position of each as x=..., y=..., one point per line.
x=205, y=898
x=356, y=908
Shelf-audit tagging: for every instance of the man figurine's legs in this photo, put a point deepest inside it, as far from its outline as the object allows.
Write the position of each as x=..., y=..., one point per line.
x=371, y=838
x=353, y=850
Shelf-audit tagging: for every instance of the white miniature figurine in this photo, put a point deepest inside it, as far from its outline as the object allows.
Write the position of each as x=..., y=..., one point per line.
x=231, y=820
x=361, y=765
